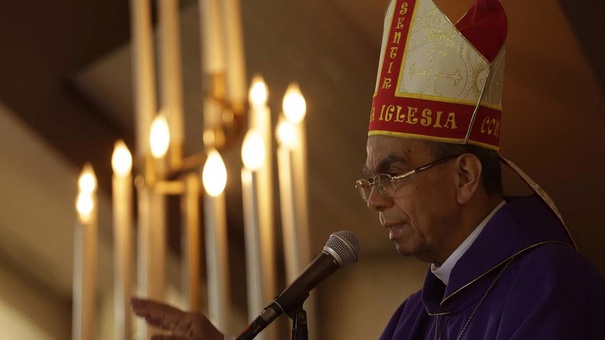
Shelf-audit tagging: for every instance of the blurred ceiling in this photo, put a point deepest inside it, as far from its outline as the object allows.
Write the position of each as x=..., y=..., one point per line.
x=66, y=80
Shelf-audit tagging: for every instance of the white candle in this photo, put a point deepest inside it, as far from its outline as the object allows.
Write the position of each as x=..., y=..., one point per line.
x=293, y=177
x=150, y=245
x=213, y=69
x=252, y=240
x=123, y=245
x=214, y=177
x=151, y=259
x=85, y=257
x=234, y=54
x=171, y=94
x=294, y=108
x=212, y=37
x=253, y=154
x=260, y=121
x=152, y=221
x=143, y=72
x=287, y=136
x=260, y=127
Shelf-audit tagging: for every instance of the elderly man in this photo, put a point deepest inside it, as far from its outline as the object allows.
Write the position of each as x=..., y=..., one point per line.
x=500, y=268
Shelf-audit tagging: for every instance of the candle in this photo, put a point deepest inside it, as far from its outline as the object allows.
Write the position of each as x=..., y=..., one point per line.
x=293, y=188
x=260, y=117
x=144, y=93
x=258, y=95
x=151, y=257
x=234, y=54
x=253, y=154
x=287, y=137
x=261, y=177
x=152, y=223
x=171, y=95
x=85, y=256
x=159, y=141
x=212, y=37
x=159, y=136
x=294, y=104
x=294, y=109
x=122, y=221
x=152, y=216
x=142, y=72
x=213, y=70
x=214, y=178
x=260, y=121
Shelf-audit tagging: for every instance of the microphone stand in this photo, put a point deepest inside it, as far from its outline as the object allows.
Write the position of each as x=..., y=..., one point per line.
x=299, y=324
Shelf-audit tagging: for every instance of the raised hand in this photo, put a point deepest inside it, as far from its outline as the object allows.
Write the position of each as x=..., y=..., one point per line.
x=182, y=325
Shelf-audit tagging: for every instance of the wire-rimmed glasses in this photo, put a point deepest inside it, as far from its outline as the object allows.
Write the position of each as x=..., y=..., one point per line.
x=385, y=183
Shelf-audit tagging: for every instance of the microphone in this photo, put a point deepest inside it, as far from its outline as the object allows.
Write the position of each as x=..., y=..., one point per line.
x=341, y=249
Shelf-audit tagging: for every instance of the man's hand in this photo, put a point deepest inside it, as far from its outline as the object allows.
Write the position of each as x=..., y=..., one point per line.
x=182, y=325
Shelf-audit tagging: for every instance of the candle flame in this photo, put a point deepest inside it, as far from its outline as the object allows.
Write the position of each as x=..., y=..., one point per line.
x=287, y=134
x=87, y=185
x=88, y=181
x=294, y=104
x=159, y=136
x=258, y=93
x=121, y=159
x=253, y=150
x=84, y=206
x=214, y=174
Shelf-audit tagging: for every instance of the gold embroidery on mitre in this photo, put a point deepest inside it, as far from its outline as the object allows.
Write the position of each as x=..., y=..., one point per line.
x=440, y=64
x=429, y=71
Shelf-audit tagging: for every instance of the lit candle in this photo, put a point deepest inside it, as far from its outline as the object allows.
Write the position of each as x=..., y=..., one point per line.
x=260, y=122
x=294, y=109
x=293, y=188
x=260, y=115
x=214, y=178
x=294, y=104
x=144, y=91
x=171, y=94
x=253, y=154
x=121, y=162
x=151, y=232
x=142, y=72
x=85, y=256
x=262, y=177
x=159, y=141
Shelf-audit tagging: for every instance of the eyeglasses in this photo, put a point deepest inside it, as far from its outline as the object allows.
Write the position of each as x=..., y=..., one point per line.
x=385, y=183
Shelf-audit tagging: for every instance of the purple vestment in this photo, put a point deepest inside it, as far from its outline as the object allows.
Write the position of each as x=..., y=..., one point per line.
x=520, y=279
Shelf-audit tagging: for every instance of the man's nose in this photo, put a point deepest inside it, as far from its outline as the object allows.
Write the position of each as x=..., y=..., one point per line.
x=376, y=202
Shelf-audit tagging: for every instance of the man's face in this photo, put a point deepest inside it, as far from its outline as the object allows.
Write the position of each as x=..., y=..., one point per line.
x=423, y=214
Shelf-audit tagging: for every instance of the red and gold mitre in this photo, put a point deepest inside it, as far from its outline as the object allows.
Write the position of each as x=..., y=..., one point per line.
x=438, y=81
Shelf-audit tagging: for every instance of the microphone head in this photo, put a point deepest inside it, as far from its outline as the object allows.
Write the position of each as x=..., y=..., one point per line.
x=344, y=246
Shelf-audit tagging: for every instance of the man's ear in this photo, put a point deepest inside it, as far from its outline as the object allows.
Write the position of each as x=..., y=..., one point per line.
x=468, y=175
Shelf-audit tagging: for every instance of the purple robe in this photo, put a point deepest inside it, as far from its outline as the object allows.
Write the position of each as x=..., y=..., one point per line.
x=520, y=279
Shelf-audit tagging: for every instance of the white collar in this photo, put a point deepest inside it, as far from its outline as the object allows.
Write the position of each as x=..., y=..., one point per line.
x=443, y=272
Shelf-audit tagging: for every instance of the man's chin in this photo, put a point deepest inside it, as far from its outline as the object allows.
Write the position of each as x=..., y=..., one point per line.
x=401, y=250
x=407, y=252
